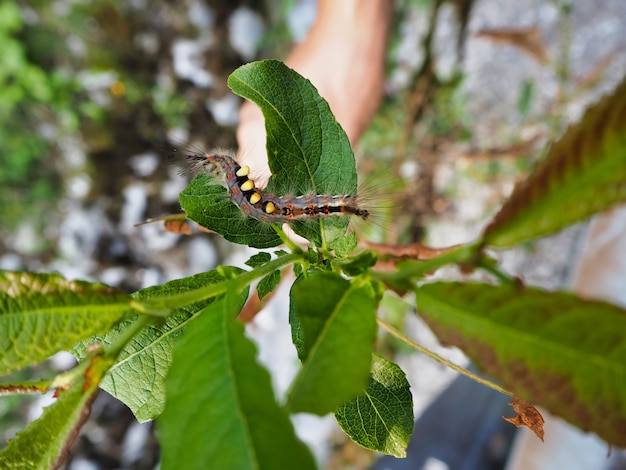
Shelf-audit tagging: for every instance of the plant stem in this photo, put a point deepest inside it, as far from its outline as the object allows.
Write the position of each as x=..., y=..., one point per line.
x=440, y=359
x=172, y=302
x=113, y=350
x=324, y=246
x=285, y=238
x=419, y=269
x=499, y=275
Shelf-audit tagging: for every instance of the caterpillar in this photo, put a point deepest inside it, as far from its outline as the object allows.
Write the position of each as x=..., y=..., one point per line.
x=269, y=208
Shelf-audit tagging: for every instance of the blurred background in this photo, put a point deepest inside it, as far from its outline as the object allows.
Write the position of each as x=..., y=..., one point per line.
x=90, y=89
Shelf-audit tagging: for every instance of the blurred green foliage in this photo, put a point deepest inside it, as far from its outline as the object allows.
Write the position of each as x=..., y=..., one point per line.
x=54, y=82
x=33, y=104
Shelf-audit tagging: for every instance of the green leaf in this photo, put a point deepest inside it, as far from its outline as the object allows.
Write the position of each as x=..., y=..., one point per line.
x=208, y=204
x=138, y=376
x=221, y=411
x=258, y=260
x=10, y=18
x=583, y=173
x=381, y=419
x=298, y=269
x=360, y=263
x=41, y=314
x=268, y=284
x=551, y=349
x=45, y=443
x=308, y=151
x=314, y=257
x=343, y=246
x=333, y=327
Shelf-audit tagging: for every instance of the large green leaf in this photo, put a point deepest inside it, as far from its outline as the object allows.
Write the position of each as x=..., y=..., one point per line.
x=221, y=411
x=45, y=443
x=41, y=314
x=583, y=173
x=138, y=376
x=551, y=349
x=308, y=154
x=334, y=327
x=381, y=419
x=307, y=148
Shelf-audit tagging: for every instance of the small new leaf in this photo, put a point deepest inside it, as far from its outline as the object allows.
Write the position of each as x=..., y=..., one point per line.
x=259, y=259
x=298, y=269
x=268, y=284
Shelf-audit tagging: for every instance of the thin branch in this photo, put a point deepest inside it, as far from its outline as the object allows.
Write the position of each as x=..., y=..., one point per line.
x=488, y=383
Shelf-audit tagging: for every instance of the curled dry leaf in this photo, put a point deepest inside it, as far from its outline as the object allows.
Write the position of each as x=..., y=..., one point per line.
x=174, y=223
x=177, y=226
x=165, y=218
x=527, y=415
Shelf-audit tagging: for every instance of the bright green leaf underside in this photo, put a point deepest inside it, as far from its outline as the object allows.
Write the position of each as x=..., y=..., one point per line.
x=552, y=349
x=41, y=314
x=138, y=376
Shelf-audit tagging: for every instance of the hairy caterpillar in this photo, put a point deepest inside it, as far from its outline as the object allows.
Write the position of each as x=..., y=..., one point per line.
x=269, y=208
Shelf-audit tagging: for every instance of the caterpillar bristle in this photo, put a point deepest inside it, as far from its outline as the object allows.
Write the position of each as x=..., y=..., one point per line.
x=381, y=198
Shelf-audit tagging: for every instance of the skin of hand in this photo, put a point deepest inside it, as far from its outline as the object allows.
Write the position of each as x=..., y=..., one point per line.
x=344, y=56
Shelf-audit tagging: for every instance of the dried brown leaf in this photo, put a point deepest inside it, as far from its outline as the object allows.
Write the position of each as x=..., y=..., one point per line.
x=527, y=415
x=177, y=226
x=174, y=223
